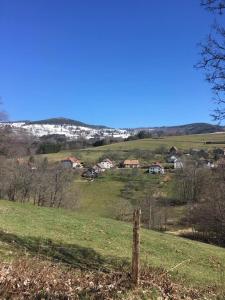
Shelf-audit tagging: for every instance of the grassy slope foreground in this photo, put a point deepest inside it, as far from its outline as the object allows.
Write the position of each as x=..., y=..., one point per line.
x=102, y=244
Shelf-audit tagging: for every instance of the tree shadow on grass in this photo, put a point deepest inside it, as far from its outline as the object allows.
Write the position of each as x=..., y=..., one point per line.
x=74, y=255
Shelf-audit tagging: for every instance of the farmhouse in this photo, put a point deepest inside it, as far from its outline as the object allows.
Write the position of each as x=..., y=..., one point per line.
x=156, y=168
x=71, y=162
x=106, y=164
x=131, y=163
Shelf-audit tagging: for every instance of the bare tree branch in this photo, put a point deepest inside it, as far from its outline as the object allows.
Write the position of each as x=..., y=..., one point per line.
x=217, y=6
x=212, y=60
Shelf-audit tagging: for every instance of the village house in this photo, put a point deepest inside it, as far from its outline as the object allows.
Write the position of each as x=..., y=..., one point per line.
x=156, y=168
x=178, y=164
x=107, y=164
x=71, y=163
x=131, y=163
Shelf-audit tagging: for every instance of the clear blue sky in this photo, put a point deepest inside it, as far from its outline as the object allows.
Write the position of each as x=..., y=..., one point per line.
x=122, y=63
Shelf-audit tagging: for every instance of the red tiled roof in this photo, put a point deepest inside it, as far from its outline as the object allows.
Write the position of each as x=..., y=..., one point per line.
x=72, y=159
x=131, y=162
x=156, y=164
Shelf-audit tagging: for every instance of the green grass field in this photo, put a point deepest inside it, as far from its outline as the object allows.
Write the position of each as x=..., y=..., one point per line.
x=103, y=195
x=97, y=243
x=185, y=142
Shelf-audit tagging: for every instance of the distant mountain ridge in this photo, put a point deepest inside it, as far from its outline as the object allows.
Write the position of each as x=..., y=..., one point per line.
x=65, y=121
x=74, y=129
x=192, y=128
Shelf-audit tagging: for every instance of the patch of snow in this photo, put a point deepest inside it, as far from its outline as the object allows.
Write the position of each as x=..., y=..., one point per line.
x=71, y=131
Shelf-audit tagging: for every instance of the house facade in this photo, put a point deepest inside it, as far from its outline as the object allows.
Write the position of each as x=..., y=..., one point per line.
x=156, y=168
x=178, y=164
x=107, y=164
x=131, y=163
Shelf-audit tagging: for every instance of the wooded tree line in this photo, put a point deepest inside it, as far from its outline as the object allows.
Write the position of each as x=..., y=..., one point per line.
x=203, y=190
x=41, y=183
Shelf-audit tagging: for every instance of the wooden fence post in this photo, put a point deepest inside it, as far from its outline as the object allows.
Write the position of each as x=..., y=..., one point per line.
x=136, y=247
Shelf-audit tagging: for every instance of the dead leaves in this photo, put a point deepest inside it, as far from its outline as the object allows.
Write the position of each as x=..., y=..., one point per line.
x=40, y=280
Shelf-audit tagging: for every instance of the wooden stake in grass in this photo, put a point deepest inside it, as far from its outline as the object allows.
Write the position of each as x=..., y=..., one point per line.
x=136, y=247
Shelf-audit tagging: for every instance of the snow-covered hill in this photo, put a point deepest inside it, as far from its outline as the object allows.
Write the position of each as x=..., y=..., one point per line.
x=71, y=131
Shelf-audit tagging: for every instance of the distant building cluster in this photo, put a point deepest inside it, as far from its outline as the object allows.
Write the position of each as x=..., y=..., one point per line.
x=172, y=160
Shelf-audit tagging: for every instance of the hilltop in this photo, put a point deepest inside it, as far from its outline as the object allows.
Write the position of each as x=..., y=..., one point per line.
x=69, y=128
x=193, y=128
x=73, y=129
x=66, y=121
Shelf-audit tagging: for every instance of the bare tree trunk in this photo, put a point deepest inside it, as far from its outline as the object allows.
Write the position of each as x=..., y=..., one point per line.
x=136, y=247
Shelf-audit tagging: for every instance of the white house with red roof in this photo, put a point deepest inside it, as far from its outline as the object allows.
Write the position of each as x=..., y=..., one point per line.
x=107, y=163
x=156, y=168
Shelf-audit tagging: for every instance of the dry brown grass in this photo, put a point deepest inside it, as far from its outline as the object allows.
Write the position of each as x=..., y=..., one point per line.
x=37, y=279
